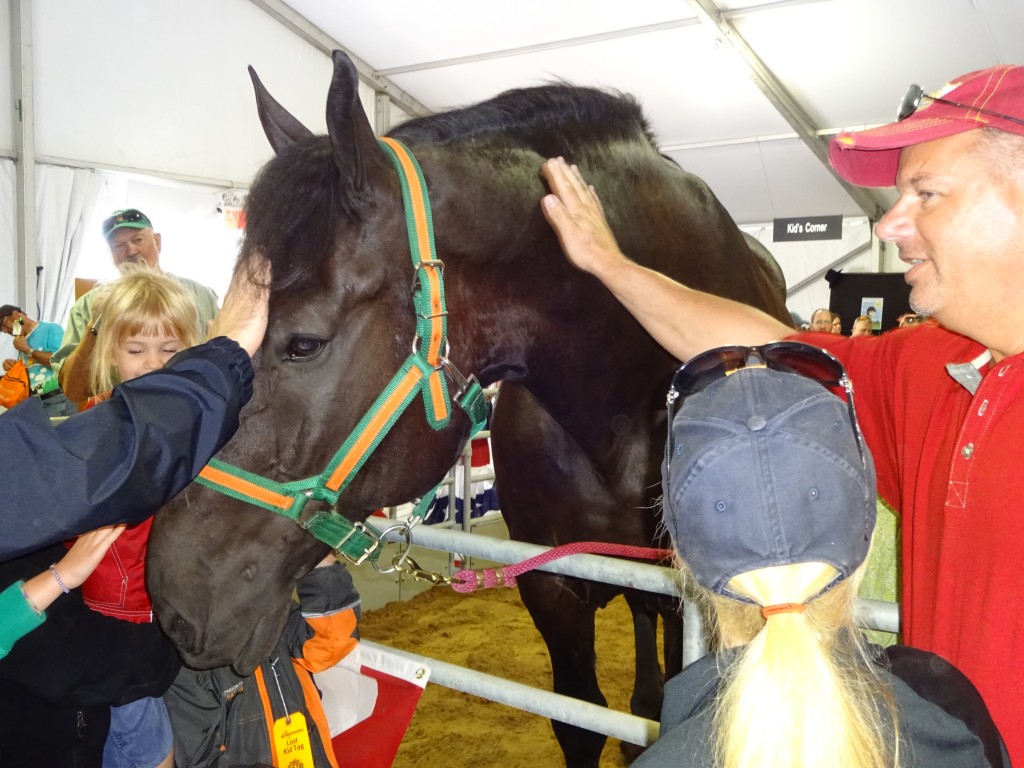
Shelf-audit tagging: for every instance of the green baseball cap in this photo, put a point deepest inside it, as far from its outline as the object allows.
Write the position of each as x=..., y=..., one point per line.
x=128, y=218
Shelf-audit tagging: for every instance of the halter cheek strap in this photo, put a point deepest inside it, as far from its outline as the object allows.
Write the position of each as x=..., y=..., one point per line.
x=423, y=372
x=774, y=610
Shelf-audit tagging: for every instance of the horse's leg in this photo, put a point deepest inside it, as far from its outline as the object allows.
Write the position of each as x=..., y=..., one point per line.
x=563, y=612
x=672, y=623
x=552, y=498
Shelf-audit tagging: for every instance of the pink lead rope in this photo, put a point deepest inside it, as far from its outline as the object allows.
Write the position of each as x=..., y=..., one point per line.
x=466, y=581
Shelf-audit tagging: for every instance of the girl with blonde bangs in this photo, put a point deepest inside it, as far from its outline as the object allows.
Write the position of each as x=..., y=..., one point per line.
x=770, y=502
x=139, y=322
x=141, y=303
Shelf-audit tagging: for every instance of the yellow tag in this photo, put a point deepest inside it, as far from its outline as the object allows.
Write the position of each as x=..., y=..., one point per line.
x=291, y=742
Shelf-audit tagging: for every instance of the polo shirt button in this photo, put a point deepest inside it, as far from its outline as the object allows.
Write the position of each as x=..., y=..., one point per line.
x=967, y=450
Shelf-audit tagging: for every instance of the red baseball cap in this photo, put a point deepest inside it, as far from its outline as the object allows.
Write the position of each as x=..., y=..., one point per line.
x=992, y=97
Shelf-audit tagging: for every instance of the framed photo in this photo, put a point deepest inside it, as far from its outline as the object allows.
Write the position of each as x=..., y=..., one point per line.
x=872, y=308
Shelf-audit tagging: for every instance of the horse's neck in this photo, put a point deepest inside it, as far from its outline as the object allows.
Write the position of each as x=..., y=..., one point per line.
x=559, y=334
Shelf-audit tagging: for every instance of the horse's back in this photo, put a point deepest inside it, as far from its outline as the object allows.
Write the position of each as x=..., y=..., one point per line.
x=671, y=221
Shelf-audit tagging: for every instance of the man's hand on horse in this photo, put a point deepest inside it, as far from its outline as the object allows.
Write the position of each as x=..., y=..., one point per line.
x=244, y=314
x=574, y=211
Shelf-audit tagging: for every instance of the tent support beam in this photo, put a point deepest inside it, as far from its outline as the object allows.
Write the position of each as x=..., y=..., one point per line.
x=816, y=276
x=23, y=131
x=319, y=39
x=709, y=13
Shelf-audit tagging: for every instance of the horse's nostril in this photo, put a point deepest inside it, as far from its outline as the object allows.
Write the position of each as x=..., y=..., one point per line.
x=184, y=634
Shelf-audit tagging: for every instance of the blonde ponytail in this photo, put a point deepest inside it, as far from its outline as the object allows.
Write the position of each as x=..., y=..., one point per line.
x=802, y=693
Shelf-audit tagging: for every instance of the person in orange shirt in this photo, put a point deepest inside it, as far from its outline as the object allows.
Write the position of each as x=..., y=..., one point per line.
x=273, y=716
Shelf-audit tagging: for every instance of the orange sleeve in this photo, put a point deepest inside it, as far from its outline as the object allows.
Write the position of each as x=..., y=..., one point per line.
x=334, y=637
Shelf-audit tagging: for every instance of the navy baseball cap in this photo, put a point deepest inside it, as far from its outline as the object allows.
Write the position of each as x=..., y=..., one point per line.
x=767, y=469
x=131, y=218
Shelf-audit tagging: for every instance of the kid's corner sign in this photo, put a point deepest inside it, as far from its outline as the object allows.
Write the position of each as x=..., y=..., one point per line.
x=808, y=228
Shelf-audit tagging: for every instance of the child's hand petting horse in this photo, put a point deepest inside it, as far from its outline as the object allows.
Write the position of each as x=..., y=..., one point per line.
x=72, y=569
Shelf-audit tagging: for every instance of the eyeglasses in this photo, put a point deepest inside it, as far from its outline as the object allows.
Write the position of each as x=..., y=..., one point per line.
x=912, y=101
x=129, y=216
x=699, y=372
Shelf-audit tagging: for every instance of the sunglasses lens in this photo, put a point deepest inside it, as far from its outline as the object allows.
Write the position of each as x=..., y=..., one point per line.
x=806, y=361
x=910, y=103
x=130, y=216
x=707, y=367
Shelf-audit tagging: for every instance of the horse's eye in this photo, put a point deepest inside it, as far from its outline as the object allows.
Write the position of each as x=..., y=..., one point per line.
x=304, y=347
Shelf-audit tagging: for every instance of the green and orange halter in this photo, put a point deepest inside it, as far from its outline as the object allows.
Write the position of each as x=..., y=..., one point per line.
x=421, y=373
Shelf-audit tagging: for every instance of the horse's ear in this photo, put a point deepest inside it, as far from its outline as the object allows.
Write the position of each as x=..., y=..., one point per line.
x=352, y=139
x=281, y=127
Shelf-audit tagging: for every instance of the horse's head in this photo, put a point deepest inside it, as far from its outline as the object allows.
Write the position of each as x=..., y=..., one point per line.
x=327, y=213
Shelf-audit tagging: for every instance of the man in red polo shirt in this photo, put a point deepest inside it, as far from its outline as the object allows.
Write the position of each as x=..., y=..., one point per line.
x=941, y=406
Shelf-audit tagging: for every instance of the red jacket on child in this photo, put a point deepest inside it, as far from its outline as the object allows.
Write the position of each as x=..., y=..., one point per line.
x=117, y=587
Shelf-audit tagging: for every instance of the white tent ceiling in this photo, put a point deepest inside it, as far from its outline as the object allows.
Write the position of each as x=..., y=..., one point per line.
x=160, y=85
x=736, y=92
x=842, y=63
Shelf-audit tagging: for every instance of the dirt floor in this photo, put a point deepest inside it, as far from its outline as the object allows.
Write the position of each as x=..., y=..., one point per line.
x=492, y=632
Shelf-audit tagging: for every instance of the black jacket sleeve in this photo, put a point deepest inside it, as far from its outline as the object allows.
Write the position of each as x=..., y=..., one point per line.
x=942, y=685
x=123, y=459
x=79, y=657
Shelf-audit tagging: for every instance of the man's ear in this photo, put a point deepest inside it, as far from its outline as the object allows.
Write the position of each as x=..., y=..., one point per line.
x=156, y=236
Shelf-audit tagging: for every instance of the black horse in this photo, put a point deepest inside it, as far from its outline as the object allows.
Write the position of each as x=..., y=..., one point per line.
x=578, y=431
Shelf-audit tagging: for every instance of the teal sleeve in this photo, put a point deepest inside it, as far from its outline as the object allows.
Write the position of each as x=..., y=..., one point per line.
x=17, y=617
x=54, y=336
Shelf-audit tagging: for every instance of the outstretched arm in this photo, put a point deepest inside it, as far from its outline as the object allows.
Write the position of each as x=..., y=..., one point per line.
x=122, y=460
x=684, y=321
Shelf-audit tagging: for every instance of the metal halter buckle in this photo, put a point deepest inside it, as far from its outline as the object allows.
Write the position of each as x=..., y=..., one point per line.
x=405, y=529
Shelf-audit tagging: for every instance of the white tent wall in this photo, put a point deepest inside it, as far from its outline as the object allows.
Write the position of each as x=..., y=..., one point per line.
x=6, y=92
x=156, y=96
x=800, y=260
x=160, y=86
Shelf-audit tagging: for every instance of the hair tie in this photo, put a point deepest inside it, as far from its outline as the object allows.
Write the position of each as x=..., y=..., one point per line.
x=773, y=610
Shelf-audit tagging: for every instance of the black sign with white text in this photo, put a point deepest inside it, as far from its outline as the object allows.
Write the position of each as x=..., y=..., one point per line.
x=808, y=228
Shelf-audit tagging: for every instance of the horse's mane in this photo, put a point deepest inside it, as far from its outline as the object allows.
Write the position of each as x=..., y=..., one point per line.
x=293, y=210
x=297, y=202
x=548, y=119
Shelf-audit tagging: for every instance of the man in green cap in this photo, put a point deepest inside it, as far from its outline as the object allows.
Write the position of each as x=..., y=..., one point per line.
x=131, y=239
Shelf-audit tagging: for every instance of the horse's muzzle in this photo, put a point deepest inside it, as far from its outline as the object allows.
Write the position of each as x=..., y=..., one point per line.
x=183, y=635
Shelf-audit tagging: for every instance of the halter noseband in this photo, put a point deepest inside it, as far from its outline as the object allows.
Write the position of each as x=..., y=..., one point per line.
x=421, y=372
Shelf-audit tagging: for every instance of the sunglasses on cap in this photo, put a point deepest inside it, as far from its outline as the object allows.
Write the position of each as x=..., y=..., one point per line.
x=702, y=370
x=912, y=101
x=120, y=218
